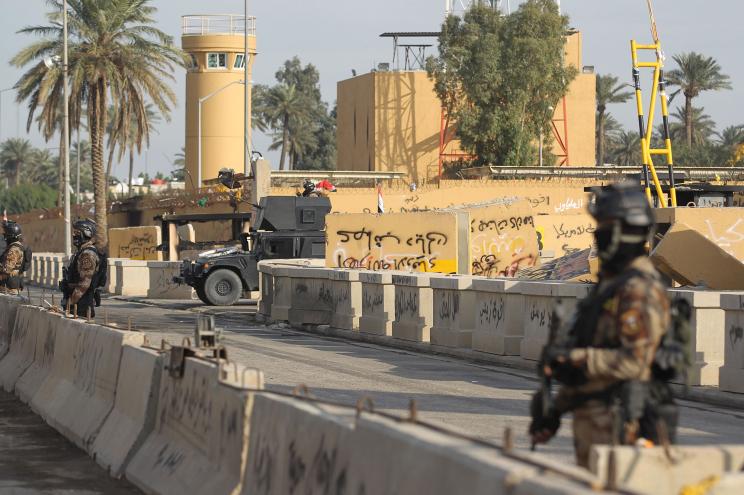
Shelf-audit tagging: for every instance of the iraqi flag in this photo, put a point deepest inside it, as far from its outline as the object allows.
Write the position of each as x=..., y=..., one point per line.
x=380, y=201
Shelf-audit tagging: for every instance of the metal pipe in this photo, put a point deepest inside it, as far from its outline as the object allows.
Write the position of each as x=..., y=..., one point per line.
x=247, y=116
x=66, y=133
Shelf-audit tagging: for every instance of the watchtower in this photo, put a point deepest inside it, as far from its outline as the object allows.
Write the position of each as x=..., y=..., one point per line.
x=216, y=108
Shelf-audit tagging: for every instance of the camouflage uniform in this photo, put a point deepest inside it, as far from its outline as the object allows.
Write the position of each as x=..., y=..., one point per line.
x=83, y=268
x=11, y=263
x=629, y=329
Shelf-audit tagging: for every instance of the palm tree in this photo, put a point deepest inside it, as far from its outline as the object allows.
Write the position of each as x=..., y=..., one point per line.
x=15, y=153
x=731, y=137
x=611, y=128
x=626, y=150
x=703, y=126
x=286, y=107
x=179, y=165
x=696, y=73
x=608, y=91
x=43, y=168
x=115, y=54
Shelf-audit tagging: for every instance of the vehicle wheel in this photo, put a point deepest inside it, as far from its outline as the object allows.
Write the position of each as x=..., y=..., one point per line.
x=223, y=288
x=201, y=295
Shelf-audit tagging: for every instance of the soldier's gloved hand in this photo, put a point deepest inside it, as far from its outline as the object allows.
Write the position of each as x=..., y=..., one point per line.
x=556, y=357
x=543, y=427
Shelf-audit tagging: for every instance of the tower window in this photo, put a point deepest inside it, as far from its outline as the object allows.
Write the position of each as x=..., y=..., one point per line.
x=239, y=61
x=216, y=60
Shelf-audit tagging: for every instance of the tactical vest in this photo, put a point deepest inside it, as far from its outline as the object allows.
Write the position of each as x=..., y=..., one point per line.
x=15, y=281
x=74, y=274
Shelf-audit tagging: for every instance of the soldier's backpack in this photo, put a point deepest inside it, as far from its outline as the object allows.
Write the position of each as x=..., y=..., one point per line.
x=673, y=358
x=27, y=259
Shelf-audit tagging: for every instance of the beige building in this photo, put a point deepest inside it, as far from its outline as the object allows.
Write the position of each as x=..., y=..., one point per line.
x=216, y=44
x=390, y=121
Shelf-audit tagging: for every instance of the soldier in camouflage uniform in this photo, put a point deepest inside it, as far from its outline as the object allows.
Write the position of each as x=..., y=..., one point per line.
x=615, y=333
x=78, y=286
x=11, y=261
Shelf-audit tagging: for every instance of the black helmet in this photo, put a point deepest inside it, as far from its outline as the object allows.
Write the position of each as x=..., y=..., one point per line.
x=11, y=231
x=87, y=228
x=623, y=201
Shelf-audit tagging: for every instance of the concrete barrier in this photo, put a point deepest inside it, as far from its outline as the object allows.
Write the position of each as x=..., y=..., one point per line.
x=401, y=457
x=266, y=286
x=346, y=299
x=112, y=276
x=299, y=447
x=312, y=297
x=378, y=303
x=652, y=472
x=132, y=278
x=78, y=394
x=135, y=406
x=8, y=309
x=499, y=317
x=45, y=327
x=539, y=300
x=413, y=307
x=22, y=347
x=282, y=300
x=708, y=334
x=454, y=311
x=731, y=374
x=161, y=285
x=200, y=439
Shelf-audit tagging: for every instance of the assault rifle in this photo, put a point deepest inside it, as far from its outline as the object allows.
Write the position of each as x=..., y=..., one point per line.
x=542, y=409
x=64, y=286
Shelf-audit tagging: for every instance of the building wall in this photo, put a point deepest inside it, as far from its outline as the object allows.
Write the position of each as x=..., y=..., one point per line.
x=222, y=114
x=391, y=120
x=356, y=123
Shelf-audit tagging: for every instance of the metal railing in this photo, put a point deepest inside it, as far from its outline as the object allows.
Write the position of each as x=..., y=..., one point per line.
x=229, y=24
x=600, y=173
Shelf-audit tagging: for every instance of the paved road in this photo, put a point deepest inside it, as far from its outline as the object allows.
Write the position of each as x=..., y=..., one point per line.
x=476, y=399
x=480, y=400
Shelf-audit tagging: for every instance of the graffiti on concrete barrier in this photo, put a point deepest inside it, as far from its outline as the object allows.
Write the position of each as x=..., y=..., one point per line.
x=406, y=303
x=736, y=334
x=569, y=204
x=448, y=303
x=491, y=312
x=139, y=247
x=562, y=232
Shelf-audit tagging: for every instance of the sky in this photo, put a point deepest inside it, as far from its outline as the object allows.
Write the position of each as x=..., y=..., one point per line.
x=340, y=35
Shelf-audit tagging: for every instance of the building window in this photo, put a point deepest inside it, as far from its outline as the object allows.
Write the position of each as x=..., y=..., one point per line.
x=239, y=61
x=216, y=60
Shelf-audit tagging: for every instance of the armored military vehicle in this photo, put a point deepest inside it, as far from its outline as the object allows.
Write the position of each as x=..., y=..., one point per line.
x=285, y=227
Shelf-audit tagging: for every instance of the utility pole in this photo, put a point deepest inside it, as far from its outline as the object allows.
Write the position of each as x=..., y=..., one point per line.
x=66, y=134
x=246, y=118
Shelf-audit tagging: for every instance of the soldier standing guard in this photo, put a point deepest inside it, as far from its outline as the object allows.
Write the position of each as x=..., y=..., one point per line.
x=13, y=260
x=83, y=276
x=608, y=365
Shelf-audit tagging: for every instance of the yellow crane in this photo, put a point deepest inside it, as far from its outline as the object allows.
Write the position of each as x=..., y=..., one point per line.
x=658, y=90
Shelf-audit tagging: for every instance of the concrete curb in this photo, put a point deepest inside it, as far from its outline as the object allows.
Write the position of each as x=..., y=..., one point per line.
x=705, y=395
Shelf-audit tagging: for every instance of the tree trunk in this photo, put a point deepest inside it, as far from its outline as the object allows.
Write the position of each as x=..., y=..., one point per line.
x=97, y=130
x=688, y=120
x=601, y=140
x=61, y=172
x=285, y=141
x=110, y=164
x=131, y=170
